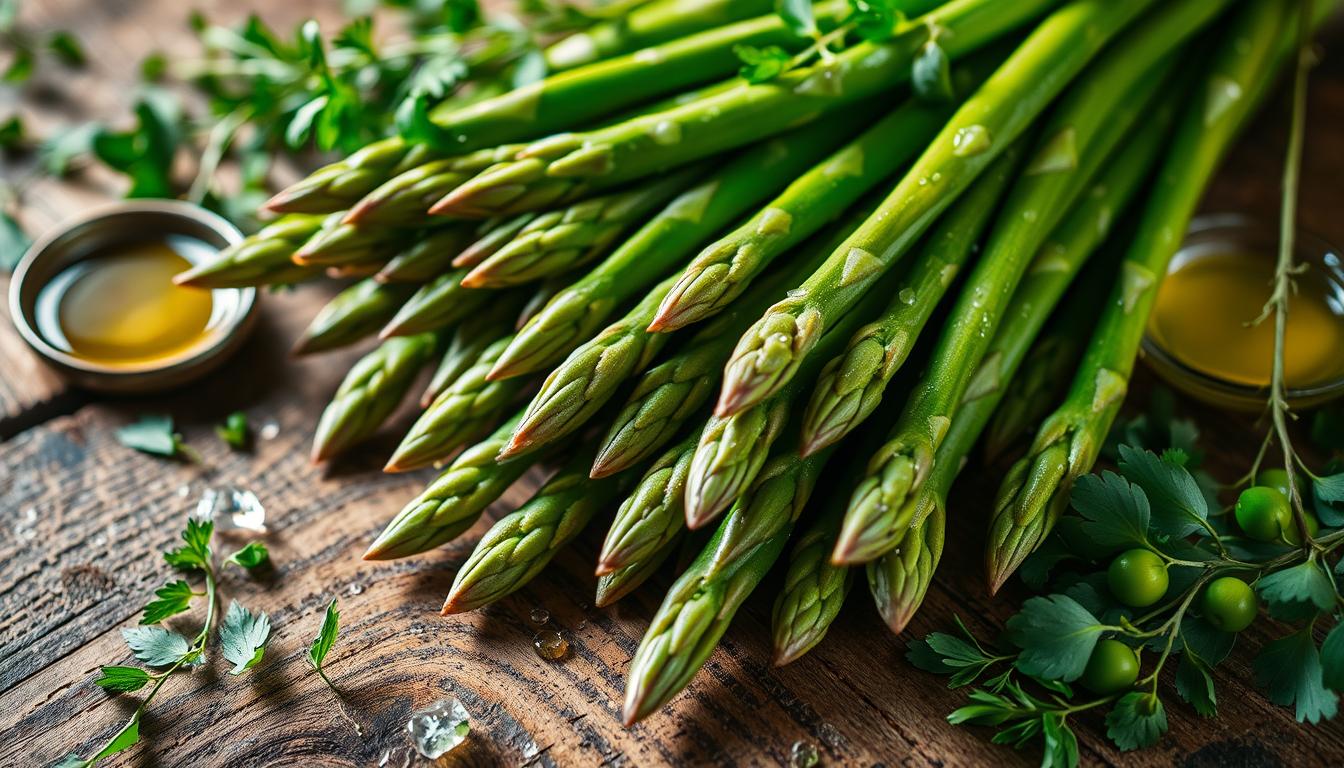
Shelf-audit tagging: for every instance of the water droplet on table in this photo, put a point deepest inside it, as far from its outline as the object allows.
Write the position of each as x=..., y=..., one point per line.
x=550, y=645
x=269, y=430
x=355, y=588
x=232, y=508
x=439, y=727
x=804, y=755
x=540, y=616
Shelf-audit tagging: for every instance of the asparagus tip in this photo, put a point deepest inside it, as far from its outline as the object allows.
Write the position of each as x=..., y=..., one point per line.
x=605, y=567
x=280, y=201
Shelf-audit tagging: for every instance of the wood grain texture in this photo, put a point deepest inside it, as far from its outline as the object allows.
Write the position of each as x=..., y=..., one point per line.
x=82, y=521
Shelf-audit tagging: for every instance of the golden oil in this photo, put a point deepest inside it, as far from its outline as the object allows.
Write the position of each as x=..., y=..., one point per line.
x=1204, y=317
x=119, y=306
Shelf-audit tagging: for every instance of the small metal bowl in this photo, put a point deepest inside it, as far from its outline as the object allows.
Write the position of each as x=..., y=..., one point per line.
x=131, y=221
x=1227, y=233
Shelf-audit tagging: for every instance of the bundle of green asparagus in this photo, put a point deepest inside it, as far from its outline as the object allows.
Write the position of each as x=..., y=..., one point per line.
x=701, y=283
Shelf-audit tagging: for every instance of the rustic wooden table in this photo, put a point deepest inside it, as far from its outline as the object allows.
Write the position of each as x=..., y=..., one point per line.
x=82, y=521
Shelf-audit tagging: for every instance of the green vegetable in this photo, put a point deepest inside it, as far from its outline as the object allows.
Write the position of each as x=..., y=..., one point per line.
x=1036, y=488
x=370, y=392
x=354, y=313
x=649, y=24
x=1138, y=578
x=453, y=502
x=1112, y=668
x=154, y=435
x=651, y=517
x=1229, y=604
x=262, y=258
x=235, y=431
x=814, y=589
x=1263, y=513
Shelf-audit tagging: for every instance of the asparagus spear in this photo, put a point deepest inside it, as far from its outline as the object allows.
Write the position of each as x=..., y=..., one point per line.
x=984, y=126
x=462, y=412
x=453, y=502
x=560, y=240
x=343, y=245
x=814, y=589
x=622, y=581
x=468, y=342
x=520, y=544
x=556, y=167
x=495, y=234
x=437, y=304
x=1035, y=204
x=733, y=449
x=370, y=392
x=262, y=258
x=1037, y=487
x=664, y=242
x=851, y=384
x=559, y=102
x=403, y=199
x=651, y=518
x=427, y=256
x=697, y=610
x=724, y=269
x=651, y=24
x=673, y=391
x=352, y=314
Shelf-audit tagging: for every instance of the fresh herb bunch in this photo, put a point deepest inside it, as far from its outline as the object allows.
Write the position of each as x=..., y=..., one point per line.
x=1147, y=569
x=241, y=636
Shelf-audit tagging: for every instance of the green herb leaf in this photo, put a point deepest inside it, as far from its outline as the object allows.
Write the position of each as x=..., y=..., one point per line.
x=195, y=554
x=1176, y=502
x=1304, y=583
x=152, y=67
x=62, y=148
x=798, y=16
x=243, y=637
x=1205, y=640
x=1115, y=512
x=66, y=47
x=1194, y=682
x=1056, y=636
x=1289, y=669
x=326, y=637
x=235, y=430
x=761, y=65
x=156, y=646
x=12, y=134
x=128, y=737
x=1332, y=659
x=251, y=556
x=72, y=760
x=174, y=598
x=931, y=74
x=13, y=242
x=152, y=434
x=1060, y=743
x=875, y=20
x=122, y=679
x=1329, y=493
x=20, y=67
x=1138, y=720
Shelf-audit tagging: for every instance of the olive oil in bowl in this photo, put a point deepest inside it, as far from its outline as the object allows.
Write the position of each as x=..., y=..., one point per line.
x=120, y=307
x=1202, y=335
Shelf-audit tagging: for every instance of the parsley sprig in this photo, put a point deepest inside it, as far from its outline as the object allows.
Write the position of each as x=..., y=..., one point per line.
x=1153, y=503
x=242, y=635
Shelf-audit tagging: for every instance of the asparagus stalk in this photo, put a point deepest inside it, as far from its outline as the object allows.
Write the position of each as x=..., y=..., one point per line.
x=495, y=234
x=558, y=241
x=453, y=502
x=370, y=392
x=982, y=128
x=733, y=449
x=427, y=257
x=344, y=245
x=352, y=314
x=851, y=384
x=814, y=589
x=341, y=184
x=664, y=242
x=879, y=505
x=651, y=24
x=622, y=581
x=673, y=391
x=262, y=258
x=1037, y=487
x=462, y=412
x=436, y=304
x=520, y=544
x=725, y=268
x=403, y=199
x=468, y=342
x=651, y=518
x=560, y=166
x=703, y=601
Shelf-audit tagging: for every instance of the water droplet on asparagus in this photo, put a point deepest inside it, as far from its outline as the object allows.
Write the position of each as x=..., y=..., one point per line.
x=907, y=296
x=971, y=140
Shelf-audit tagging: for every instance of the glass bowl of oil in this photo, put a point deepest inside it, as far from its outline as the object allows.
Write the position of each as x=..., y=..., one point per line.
x=96, y=299
x=1205, y=337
